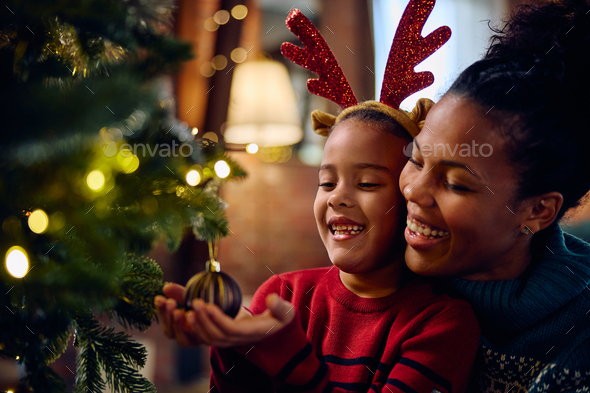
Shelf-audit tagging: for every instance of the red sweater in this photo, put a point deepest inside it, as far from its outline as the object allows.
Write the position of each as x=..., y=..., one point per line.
x=410, y=341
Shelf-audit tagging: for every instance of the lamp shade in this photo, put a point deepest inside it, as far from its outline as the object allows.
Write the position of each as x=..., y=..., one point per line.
x=262, y=107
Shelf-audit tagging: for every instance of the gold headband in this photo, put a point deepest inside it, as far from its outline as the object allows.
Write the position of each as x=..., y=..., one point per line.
x=412, y=122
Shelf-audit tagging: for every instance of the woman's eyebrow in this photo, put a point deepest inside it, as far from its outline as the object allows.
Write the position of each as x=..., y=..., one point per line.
x=450, y=163
x=362, y=165
x=458, y=165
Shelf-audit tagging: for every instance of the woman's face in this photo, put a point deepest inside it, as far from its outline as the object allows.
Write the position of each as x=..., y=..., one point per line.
x=359, y=209
x=459, y=189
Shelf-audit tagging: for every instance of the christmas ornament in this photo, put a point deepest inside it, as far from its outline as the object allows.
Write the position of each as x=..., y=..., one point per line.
x=213, y=286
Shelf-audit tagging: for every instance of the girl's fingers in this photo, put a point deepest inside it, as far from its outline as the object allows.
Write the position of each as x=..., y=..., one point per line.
x=216, y=336
x=181, y=336
x=174, y=291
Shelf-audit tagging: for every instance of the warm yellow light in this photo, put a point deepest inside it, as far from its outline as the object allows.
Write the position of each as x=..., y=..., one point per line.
x=238, y=55
x=211, y=25
x=38, y=221
x=195, y=131
x=193, y=178
x=221, y=17
x=10, y=391
x=95, y=180
x=219, y=62
x=207, y=69
x=17, y=262
x=239, y=11
x=221, y=169
x=252, y=148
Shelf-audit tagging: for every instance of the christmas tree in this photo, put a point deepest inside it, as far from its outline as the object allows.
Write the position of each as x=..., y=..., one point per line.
x=95, y=169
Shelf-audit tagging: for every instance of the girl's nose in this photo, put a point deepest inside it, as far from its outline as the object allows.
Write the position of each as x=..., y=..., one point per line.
x=340, y=197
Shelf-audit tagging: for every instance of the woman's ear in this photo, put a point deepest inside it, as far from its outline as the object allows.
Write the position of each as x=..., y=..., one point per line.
x=543, y=213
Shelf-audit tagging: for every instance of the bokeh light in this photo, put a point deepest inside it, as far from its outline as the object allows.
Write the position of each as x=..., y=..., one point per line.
x=195, y=131
x=239, y=55
x=17, y=262
x=252, y=148
x=239, y=11
x=221, y=169
x=95, y=180
x=211, y=25
x=38, y=221
x=219, y=62
x=221, y=17
x=193, y=177
x=207, y=69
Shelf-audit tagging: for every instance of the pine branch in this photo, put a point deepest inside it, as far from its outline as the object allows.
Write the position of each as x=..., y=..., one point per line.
x=141, y=282
x=115, y=353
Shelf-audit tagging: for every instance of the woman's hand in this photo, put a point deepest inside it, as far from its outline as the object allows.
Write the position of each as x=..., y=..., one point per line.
x=207, y=324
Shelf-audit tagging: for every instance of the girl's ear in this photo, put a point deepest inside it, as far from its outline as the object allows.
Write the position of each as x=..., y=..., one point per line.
x=544, y=211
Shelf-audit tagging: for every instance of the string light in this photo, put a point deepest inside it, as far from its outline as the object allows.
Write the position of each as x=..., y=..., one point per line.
x=219, y=62
x=221, y=17
x=17, y=262
x=195, y=131
x=221, y=169
x=211, y=25
x=238, y=55
x=193, y=177
x=252, y=148
x=38, y=221
x=239, y=11
x=95, y=180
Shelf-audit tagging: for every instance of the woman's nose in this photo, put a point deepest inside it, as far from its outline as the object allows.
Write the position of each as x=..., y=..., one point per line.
x=418, y=189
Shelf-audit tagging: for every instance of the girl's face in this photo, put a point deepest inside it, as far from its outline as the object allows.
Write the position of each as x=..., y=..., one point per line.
x=359, y=208
x=466, y=197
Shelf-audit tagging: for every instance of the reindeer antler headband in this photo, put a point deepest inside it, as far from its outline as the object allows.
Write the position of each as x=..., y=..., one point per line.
x=400, y=80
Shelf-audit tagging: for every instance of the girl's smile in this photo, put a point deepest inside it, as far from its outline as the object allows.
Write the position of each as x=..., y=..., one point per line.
x=359, y=209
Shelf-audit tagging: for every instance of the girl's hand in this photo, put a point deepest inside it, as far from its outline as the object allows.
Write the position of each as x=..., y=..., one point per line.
x=173, y=319
x=208, y=324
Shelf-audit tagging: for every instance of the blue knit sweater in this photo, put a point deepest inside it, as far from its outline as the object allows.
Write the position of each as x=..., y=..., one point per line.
x=536, y=329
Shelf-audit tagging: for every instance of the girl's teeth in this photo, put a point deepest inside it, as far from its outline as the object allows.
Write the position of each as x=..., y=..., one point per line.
x=420, y=230
x=426, y=231
x=354, y=228
x=413, y=227
x=434, y=233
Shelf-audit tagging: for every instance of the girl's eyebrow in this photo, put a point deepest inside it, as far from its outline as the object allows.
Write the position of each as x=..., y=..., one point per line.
x=362, y=165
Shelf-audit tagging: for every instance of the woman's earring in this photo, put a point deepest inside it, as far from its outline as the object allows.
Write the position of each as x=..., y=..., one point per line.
x=526, y=231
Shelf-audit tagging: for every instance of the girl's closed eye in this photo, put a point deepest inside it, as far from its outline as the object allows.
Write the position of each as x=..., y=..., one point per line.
x=368, y=185
x=326, y=185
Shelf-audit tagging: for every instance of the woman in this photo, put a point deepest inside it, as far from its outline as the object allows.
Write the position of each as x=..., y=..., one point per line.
x=525, y=106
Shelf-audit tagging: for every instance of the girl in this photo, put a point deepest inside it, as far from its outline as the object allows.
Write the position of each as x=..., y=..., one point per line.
x=528, y=281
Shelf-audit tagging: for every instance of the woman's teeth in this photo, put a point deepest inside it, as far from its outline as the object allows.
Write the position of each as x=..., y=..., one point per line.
x=347, y=229
x=425, y=230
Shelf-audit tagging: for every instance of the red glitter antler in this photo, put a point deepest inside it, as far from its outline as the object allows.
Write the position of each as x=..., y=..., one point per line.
x=409, y=49
x=317, y=57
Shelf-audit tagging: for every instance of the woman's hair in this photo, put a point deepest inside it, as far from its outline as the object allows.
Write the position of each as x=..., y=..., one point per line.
x=534, y=81
x=378, y=120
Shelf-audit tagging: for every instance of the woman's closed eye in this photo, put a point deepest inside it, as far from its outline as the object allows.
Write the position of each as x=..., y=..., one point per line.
x=416, y=163
x=456, y=187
